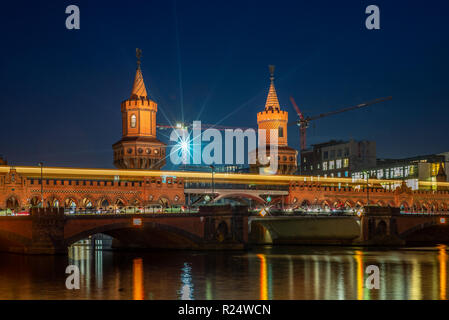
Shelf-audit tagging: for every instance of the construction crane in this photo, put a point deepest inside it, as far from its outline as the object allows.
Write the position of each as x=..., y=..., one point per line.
x=303, y=122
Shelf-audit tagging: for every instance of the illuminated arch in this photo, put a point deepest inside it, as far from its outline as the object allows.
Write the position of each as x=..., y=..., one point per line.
x=120, y=202
x=104, y=202
x=349, y=204
x=404, y=205
x=381, y=203
x=70, y=202
x=241, y=196
x=35, y=201
x=325, y=204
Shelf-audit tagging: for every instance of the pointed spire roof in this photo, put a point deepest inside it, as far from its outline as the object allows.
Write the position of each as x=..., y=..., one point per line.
x=272, y=98
x=138, y=90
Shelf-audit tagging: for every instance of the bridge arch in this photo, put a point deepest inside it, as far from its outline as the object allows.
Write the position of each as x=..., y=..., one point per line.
x=404, y=206
x=148, y=234
x=241, y=196
x=432, y=231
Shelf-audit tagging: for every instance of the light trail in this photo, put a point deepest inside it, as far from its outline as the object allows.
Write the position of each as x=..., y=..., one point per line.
x=194, y=176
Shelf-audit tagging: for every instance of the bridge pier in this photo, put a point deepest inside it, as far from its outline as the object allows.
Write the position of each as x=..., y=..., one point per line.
x=47, y=231
x=379, y=226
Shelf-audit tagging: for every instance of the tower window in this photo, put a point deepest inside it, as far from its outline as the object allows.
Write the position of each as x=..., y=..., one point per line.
x=281, y=132
x=133, y=121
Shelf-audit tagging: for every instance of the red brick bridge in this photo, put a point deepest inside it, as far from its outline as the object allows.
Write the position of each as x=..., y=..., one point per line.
x=50, y=231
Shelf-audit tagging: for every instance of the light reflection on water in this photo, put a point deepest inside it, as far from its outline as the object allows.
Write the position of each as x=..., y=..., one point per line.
x=261, y=273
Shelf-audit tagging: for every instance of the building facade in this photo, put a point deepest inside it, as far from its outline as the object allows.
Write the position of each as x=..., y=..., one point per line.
x=338, y=158
x=427, y=168
x=139, y=147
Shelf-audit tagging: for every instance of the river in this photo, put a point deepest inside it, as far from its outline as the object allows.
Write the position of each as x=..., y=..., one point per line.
x=290, y=272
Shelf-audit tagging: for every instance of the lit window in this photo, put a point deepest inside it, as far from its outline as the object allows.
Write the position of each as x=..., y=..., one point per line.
x=338, y=164
x=346, y=173
x=133, y=121
x=325, y=166
x=339, y=174
x=331, y=165
x=345, y=162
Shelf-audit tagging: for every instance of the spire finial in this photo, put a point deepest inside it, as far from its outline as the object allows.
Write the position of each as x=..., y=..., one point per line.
x=139, y=89
x=272, y=99
x=271, y=69
x=138, y=56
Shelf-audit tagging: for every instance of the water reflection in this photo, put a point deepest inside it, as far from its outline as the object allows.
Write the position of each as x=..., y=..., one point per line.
x=263, y=273
x=138, y=288
x=263, y=277
x=442, y=258
x=186, y=292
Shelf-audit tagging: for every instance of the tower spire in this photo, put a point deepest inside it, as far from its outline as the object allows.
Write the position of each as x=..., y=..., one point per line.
x=272, y=98
x=138, y=91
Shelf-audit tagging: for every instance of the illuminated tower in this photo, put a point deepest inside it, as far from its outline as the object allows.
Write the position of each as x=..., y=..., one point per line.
x=139, y=148
x=272, y=117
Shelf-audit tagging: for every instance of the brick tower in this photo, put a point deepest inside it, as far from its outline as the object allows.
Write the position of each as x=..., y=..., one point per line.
x=272, y=117
x=139, y=148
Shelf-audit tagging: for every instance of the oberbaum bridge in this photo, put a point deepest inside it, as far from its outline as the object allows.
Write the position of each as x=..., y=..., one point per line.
x=136, y=207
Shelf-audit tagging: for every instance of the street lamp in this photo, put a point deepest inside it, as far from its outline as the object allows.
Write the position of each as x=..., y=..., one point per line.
x=41, y=164
x=367, y=186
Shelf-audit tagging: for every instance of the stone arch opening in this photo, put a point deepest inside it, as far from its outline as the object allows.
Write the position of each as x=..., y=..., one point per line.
x=305, y=203
x=86, y=203
x=119, y=202
x=12, y=203
x=381, y=229
x=222, y=231
x=164, y=202
x=349, y=204
x=70, y=203
x=35, y=202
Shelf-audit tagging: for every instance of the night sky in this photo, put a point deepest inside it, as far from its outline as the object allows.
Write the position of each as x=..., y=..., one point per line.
x=61, y=89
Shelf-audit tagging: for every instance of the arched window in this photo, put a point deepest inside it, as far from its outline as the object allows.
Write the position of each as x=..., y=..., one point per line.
x=133, y=121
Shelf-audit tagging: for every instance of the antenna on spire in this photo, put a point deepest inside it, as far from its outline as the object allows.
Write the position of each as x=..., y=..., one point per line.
x=271, y=68
x=139, y=56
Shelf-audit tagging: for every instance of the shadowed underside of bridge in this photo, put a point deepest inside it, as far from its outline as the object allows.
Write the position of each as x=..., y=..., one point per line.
x=154, y=233
x=420, y=229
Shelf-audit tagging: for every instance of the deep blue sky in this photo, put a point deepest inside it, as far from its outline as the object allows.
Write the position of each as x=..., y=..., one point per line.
x=61, y=89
